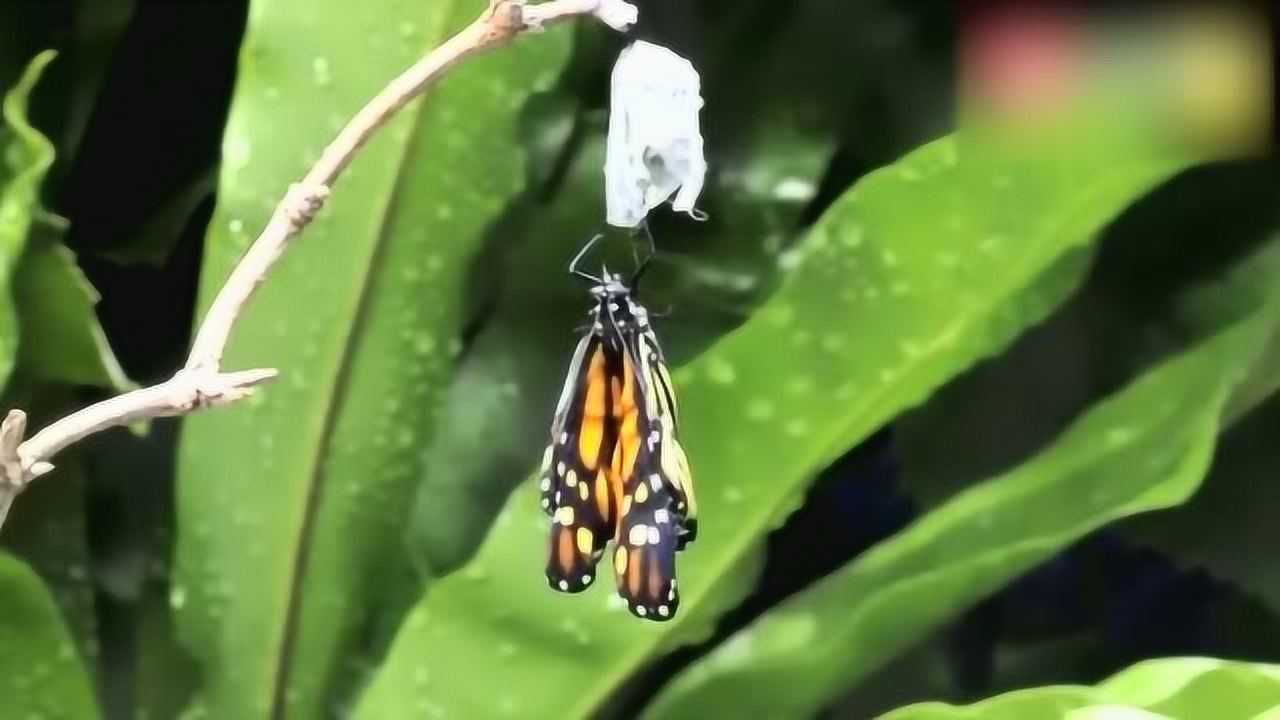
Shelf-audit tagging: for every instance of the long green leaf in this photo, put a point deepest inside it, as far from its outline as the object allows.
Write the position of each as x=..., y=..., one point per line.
x=62, y=340
x=25, y=159
x=1145, y=448
x=47, y=531
x=879, y=308
x=1174, y=688
x=43, y=674
x=1237, y=509
x=290, y=508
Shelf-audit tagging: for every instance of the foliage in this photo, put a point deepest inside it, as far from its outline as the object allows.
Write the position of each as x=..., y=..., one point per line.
x=364, y=369
x=1173, y=688
x=1065, y=333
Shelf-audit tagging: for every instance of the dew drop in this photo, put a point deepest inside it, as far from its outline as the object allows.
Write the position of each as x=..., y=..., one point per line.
x=834, y=342
x=236, y=152
x=852, y=236
x=320, y=72
x=759, y=410
x=1119, y=436
x=991, y=244
x=779, y=315
x=720, y=371
x=797, y=427
x=800, y=385
x=404, y=438
x=790, y=259
x=424, y=344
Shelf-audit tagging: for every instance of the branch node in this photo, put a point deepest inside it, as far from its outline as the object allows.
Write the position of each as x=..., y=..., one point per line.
x=302, y=203
x=12, y=431
x=13, y=476
x=202, y=387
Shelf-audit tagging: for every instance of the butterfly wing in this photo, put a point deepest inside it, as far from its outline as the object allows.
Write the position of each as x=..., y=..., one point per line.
x=576, y=491
x=656, y=510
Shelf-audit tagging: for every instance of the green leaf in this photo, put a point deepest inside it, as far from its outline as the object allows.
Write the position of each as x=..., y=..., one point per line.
x=1237, y=509
x=1181, y=688
x=25, y=158
x=290, y=507
x=42, y=672
x=1144, y=448
x=1239, y=504
x=47, y=530
x=62, y=340
x=879, y=308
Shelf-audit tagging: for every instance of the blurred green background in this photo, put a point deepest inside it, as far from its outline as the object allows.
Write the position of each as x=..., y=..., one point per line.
x=977, y=356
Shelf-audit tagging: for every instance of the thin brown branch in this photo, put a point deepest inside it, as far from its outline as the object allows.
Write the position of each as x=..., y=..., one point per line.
x=201, y=383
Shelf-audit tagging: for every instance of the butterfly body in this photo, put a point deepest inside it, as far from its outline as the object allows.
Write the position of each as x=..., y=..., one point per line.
x=614, y=470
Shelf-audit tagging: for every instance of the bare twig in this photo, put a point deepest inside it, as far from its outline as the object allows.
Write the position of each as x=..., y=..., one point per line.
x=201, y=383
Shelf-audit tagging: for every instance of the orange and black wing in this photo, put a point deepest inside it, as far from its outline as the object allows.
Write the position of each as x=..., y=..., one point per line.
x=656, y=516
x=575, y=478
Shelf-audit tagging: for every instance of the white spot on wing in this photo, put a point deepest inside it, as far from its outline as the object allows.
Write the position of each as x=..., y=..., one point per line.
x=661, y=516
x=639, y=534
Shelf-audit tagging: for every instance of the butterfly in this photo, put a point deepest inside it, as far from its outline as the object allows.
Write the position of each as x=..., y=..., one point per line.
x=614, y=470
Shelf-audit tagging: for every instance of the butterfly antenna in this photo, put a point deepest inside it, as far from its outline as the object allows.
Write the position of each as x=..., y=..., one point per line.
x=573, y=264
